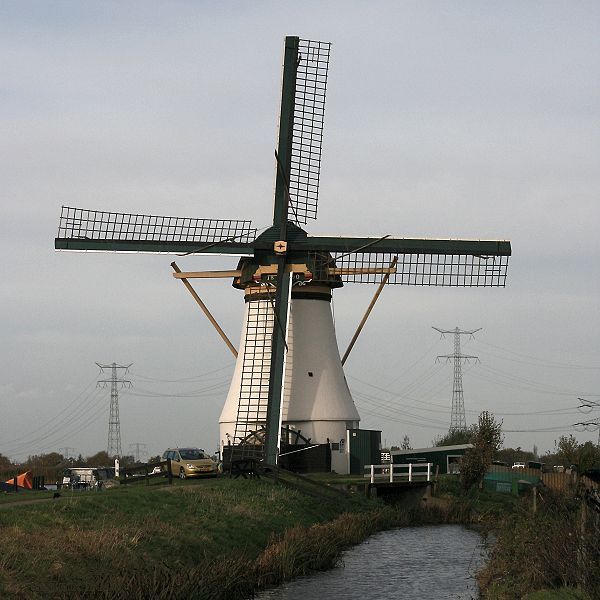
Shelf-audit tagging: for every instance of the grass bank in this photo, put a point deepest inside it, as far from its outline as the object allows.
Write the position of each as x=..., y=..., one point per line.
x=554, y=552
x=222, y=539
x=209, y=539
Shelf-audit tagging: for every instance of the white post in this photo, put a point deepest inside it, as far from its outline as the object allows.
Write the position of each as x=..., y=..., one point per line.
x=410, y=471
x=372, y=473
x=117, y=467
x=391, y=472
x=428, y=471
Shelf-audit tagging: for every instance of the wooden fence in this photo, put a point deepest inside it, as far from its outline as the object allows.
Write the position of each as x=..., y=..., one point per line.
x=588, y=483
x=557, y=480
x=564, y=482
x=395, y=472
x=146, y=472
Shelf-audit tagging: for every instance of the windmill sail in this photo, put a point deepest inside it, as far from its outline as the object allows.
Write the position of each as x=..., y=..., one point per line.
x=253, y=376
x=83, y=229
x=424, y=262
x=256, y=366
x=307, y=132
x=425, y=269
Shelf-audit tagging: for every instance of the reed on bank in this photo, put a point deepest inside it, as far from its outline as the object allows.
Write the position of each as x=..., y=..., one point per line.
x=555, y=551
x=214, y=540
x=207, y=539
x=224, y=539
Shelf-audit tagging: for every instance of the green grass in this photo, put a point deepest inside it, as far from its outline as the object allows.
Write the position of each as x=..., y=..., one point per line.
x=560, y=594
x=212, y=539
x=83, y=535
x=337, y=479
x=544, y=551
x=486, y=503
x=223, y=538
x=23, y=496
x=540, y=551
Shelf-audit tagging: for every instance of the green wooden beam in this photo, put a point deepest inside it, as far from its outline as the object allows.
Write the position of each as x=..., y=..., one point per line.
x=276, y=374
x=404, y=246
x=310, y=243
x=280, y=225
x=233, y=248
x=286, y=129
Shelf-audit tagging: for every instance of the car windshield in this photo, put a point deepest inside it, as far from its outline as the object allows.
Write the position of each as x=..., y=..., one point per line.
x=191, y=454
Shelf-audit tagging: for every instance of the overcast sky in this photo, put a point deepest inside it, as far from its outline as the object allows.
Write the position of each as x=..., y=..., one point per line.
x=470, y=119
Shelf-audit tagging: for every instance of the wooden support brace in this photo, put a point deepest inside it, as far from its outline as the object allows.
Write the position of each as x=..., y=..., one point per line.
x=205, y=274
x=362, y=270
x=262, y=270
x=388, y=272
x=289, y=268
x=204, y=309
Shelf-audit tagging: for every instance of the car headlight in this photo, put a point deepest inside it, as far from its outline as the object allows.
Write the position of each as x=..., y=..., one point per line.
x=190, y=466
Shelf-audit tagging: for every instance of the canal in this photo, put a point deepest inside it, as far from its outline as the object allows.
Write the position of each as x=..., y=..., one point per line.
x=427, y=563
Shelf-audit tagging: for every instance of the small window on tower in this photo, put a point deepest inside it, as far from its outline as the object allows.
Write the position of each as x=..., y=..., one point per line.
x=310, y=373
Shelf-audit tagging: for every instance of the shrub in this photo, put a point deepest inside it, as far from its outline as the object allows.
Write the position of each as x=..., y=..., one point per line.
x=487, y=440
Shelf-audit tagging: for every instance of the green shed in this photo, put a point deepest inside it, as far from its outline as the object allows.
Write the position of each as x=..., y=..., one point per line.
x=446, y=459
x=364, y=448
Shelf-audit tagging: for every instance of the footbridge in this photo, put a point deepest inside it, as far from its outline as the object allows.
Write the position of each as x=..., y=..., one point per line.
x=407, y=483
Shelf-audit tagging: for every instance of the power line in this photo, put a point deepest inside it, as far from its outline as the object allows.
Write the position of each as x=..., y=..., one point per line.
x=540, y=361
x=191, y=379
x=570, y=410
x=391, y=410
x=395, y=410
x=140, y=391
x=92, y=418
x=412, y=365
x=80, y=412
x=20, y=439
x=556, y=429
x=510, y=380
x=593, y=424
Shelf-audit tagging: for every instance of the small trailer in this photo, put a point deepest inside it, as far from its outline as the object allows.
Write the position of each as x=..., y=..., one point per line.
x=85, y=477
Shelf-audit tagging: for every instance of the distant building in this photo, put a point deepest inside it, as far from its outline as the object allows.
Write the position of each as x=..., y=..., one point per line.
x=445, y=459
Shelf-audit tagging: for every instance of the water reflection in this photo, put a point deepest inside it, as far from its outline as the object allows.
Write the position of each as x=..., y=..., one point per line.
x=412, y=562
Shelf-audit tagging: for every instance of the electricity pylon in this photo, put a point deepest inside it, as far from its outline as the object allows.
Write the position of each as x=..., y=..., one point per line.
x=139, y=450
x=587, y=406
x=458, y=421
x=114, y=426
x=67, y=454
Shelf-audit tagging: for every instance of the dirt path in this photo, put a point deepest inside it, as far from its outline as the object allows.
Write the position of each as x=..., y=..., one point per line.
x=25, y=502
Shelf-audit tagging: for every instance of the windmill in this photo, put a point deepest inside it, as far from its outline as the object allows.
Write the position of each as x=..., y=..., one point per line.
x=288, y=370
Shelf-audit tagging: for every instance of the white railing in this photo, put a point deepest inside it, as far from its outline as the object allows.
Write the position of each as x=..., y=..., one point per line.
x=408, y=472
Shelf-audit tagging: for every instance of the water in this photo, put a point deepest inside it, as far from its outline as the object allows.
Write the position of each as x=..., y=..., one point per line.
x=428, y=563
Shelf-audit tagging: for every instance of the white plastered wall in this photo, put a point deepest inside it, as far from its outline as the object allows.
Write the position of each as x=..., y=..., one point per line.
x=317, y=400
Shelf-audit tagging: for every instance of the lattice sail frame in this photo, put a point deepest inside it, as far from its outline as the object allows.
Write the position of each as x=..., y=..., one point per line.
x=307, y=133
x=424, y=269
x=254, y=380
x=80, y=223
x=256, y=366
